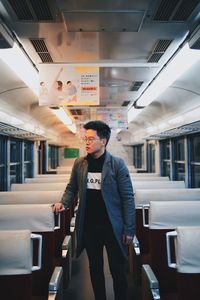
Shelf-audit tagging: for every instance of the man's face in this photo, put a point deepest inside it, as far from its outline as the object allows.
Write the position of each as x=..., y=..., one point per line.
x=94, y=144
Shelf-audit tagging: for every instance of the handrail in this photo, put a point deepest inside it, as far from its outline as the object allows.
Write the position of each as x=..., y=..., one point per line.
x=39, y=238
x=169, y=235
x=145, y=206
x=58, y=225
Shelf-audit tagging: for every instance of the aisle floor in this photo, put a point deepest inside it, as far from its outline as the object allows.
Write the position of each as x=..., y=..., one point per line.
x=80, y=286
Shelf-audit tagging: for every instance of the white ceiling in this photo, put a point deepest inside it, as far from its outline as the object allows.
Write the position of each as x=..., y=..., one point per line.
x=119, y=36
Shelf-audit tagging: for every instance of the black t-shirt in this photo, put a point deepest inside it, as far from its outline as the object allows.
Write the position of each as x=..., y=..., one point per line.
x=95, y=213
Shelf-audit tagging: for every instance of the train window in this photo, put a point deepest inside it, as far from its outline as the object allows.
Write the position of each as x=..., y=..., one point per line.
x=15, y=170
x=179, y=159
x=28, y=151
x=195, y=161
x=2, y=151
x=195, y=176
x=3, y=163
x=28, y=159
x=42, y=157
x=195, y=151
x=138, y=155
x=166, y=149
x=151, y=158
x=53, y=157
x=14, y=173
x=179, y=150
x=166, y=168
x=179, y=171
x=14, y=151
x=165, y=158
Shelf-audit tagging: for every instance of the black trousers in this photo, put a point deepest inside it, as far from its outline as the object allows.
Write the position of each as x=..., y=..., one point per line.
x=95, y=238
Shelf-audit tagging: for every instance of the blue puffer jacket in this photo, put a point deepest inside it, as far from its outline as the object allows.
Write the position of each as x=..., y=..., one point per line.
x=117, y=193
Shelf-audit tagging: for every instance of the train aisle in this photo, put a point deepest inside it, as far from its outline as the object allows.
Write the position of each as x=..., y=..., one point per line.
x=80, y=287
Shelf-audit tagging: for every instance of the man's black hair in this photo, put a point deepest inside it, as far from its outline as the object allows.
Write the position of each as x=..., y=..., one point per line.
x=102, y=129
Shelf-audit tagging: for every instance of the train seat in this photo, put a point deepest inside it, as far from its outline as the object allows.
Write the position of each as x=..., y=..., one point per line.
x=49, y=197
x=47, y=180
x=16, y=263
x=154, y=184
x=143, y=197
x=165, y=216
x=38, y=218
x=144, y=174
x=58, y=186
x=41, y=197
x=187, y=261
x=35, y=197
x=149, y=178
x=140, y=253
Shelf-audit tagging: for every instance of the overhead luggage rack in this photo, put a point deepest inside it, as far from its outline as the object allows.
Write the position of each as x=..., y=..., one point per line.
x=10, y=130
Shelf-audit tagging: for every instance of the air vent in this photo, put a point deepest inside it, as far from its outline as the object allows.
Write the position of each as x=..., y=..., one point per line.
x=135, y=86
x=177, y=11
x=165, y=10
x=45, y=57
x=158, y=51
x=41, y=10
x=184, y=10
x=22, y=10
x=41, y=49
x=155, y=57
x=31, y=10
x=13, y=131
x=126, y=103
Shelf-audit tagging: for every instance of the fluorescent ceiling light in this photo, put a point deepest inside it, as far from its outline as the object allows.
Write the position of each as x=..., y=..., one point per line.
x=72, y=128
x=179, y=64
x=65, y=118
x=19, y=63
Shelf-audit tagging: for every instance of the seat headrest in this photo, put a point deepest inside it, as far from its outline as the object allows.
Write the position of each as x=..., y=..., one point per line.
x=58, y=186
x=143, y=197
x=170, y=214
x=155, y=184
x=15, y=252
x=188, y=249
x=35, y=217
x=35, y=197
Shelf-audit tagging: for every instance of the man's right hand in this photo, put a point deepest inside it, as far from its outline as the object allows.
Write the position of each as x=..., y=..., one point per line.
x=58, y=207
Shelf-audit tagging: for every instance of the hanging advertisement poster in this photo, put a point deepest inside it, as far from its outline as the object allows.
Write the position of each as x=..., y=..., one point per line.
x=63, y=85
x=115, y=117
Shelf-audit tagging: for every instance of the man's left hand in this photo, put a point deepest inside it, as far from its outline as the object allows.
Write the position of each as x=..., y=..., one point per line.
x=127, y=239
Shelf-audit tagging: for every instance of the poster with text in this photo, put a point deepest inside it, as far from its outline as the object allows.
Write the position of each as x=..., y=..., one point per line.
x=63, y=85
x=115, y=117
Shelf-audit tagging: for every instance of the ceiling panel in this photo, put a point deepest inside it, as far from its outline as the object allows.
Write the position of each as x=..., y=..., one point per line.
x=94, y=21
x=130, y=40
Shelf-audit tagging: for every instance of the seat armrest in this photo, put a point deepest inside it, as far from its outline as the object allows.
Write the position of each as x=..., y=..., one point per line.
x=72, y=223
x=136, y=245
x=150, y=285
x=56, y=279
x=66, y=242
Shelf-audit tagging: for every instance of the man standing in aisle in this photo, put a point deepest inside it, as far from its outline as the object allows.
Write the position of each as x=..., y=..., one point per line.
x=106, y=214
